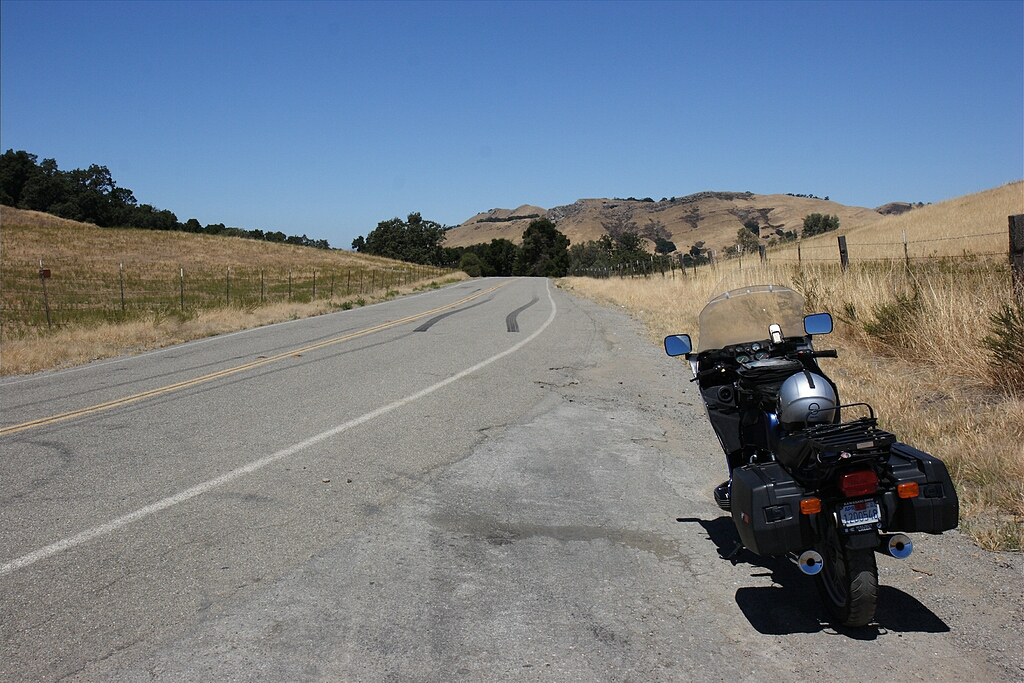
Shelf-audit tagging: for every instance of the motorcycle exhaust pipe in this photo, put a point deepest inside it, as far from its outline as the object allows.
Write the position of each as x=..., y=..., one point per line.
x=809, y=562
x=898, y=545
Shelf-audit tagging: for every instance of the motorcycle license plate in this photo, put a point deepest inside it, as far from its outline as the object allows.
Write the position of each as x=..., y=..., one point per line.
x=859, y=512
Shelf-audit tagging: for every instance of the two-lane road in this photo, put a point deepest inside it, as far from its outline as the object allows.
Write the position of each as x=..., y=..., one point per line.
x=492, y=480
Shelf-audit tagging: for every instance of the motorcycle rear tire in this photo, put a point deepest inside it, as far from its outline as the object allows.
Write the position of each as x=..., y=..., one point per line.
x=847, y=582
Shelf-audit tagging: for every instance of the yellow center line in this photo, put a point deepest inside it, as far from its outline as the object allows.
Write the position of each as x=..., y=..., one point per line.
x=13, y=429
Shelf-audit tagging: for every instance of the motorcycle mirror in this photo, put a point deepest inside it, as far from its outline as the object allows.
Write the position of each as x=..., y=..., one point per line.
x=678, y=344
x=819, y=323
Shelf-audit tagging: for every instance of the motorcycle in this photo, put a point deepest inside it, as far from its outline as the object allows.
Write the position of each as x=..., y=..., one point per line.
x=805, y=482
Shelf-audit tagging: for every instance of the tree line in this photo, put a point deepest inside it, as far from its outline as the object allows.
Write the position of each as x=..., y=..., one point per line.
x=543, y=253
x=92, y=196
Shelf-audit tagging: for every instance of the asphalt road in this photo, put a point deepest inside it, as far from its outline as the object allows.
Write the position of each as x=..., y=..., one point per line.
x=492, y=481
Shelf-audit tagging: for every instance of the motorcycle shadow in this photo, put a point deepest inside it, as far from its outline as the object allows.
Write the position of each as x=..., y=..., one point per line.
x=784, y=608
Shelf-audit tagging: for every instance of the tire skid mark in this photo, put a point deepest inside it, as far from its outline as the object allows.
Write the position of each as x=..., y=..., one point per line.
x=427, y=325
x=511, y=321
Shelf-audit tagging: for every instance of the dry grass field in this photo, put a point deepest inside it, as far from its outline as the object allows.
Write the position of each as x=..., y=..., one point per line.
x=910, y=343
x=176, y=286
x=973, y=226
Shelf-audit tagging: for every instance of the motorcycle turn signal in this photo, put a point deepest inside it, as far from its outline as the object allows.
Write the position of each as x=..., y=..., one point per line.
x=908, y=490
x=810, y=506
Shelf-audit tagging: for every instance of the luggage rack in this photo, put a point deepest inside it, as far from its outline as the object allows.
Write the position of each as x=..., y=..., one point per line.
x=860, y=438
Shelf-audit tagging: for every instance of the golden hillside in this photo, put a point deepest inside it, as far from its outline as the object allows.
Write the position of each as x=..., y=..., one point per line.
x=709, y=217
x=28, y=236
x=973, y=224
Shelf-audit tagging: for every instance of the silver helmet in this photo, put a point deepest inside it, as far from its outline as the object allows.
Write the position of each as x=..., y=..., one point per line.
x=805, y=398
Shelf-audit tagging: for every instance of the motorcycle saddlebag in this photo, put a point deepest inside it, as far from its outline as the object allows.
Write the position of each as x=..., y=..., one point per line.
x=936, y=507
x=765, y=503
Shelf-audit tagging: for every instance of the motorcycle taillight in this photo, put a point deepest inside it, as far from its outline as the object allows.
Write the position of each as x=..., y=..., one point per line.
x=862, y=483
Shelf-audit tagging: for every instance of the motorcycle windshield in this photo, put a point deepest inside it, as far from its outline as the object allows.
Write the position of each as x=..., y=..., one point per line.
x=744, y=314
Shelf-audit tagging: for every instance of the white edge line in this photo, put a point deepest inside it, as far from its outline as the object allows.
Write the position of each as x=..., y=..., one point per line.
x=255, y=465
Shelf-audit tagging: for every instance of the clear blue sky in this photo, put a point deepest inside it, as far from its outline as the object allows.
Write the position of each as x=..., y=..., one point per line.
x=325, y=118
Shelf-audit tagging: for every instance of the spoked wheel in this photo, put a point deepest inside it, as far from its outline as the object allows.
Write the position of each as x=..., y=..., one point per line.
x=848, y=580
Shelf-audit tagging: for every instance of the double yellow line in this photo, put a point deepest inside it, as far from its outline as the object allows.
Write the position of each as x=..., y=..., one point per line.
x=100, y=407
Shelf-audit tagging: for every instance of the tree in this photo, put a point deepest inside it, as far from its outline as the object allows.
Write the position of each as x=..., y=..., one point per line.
x=45, y=188
x=470, y=264
x=501, y=256
x=592, y=254
x=664, y=246
x=545, y=251
x=697, y=256
x=415, y=240
x=91, y=195
x=817, y=224
x=15, y=170
x=753, y=226
x=629, y=246
x=746, y=242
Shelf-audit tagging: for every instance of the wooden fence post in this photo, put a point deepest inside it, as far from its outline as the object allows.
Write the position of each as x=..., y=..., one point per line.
x=844, y=254
x=120, y=274
x=43, y=274
x=906, y=254
x=1017, y=254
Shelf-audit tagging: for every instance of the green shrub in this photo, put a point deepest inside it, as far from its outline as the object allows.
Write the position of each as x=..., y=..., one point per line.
x=896, y=321
x=470, y=264
x=817, y=224
x=1005, y=343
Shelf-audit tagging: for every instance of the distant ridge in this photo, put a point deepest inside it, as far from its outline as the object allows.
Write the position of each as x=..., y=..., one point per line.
x=709, y=217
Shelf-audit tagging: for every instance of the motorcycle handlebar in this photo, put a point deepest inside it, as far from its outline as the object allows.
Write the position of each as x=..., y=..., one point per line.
x=710, y=371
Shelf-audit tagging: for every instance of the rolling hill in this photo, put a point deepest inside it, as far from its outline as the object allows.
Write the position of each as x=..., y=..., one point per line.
x=709, y=217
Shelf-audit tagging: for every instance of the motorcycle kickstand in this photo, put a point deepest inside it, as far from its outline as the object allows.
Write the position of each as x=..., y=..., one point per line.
x=735, y=553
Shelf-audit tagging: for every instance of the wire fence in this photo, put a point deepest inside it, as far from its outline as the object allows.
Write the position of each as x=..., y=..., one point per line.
x=61, y=291
x=908, y=250
x=794, y=252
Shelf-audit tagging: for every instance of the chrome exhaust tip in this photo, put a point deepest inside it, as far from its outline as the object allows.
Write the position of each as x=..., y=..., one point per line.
x=900, y=546
x=809, y=562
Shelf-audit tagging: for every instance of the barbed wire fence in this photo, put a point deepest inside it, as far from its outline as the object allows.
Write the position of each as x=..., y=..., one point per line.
x=796, y=253
x=62, y=291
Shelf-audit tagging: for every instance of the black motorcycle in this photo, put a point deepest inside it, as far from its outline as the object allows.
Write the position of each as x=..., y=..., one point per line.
x=806, y=482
